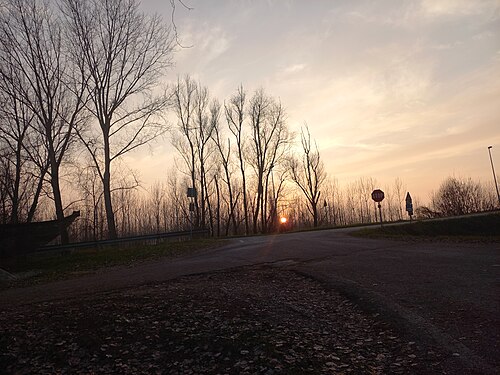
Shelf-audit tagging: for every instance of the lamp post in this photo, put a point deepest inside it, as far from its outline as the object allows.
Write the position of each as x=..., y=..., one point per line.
x=494, y=175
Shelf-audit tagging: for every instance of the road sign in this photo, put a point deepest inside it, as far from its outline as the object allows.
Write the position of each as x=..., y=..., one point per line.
x=378, y=195
x=409, y=204
x=191, y=192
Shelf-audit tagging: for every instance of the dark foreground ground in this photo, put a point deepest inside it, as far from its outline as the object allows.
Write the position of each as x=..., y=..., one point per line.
x=253, y=320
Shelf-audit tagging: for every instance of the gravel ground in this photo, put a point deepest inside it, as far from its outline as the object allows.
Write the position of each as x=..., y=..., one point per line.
x=247, y=321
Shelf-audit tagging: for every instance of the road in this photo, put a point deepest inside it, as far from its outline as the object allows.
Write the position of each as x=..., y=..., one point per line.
x=443, y=293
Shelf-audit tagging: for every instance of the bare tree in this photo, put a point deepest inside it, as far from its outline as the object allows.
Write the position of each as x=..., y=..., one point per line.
x=235, y=111
x=33, y=47
x=15, y=122
x=4, y=191
x=90, y=190
x=124, y=53
x=198, y=116
x=400, y=192
x=309, y=173
x=157, y=197
x=224, y=153
x=184, y=139
x=276, y=193
x=269, y=139
x=206, y=120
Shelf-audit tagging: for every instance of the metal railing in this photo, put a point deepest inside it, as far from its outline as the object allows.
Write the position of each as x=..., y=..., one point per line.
x=147, y=237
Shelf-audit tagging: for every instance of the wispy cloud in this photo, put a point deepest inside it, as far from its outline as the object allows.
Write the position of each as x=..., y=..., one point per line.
x=439, y=8
x=295, y=68
x=208, y=43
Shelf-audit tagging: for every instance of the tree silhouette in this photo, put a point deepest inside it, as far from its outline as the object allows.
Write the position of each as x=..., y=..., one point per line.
x=124, y=53
x=32, y=47
x=309, y=173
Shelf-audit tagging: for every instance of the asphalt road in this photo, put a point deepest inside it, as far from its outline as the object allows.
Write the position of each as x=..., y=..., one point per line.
x=443, y=293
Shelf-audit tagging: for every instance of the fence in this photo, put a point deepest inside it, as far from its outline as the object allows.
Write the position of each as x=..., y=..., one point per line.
x=144, y=238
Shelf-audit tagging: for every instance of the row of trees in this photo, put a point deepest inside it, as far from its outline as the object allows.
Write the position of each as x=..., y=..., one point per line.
x=238, y=149
x=75, y=72
x=79, y=81
x=165, y=206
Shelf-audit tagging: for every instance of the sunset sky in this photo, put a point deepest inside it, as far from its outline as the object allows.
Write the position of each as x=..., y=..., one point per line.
x=407, y=89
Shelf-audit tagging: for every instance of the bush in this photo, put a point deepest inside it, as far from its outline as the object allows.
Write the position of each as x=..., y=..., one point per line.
x=457, y=196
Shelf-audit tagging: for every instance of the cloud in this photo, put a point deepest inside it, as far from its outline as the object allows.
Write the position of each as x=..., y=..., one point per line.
x=295, y=68
x=213, y=42
x=209, y=43
x=440, y=8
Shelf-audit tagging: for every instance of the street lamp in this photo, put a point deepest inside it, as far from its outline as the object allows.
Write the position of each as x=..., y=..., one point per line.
x=494, y=175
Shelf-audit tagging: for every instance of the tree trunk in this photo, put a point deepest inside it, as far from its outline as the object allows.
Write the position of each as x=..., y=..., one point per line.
x=14, y=215
x=315, y=214
x=232, y=217
x=245, y=202
x=257, y=206
x=203, y=195
x=38, y=191
x=218, y=207
x=106, y=182
x=56, y=190
x=209, y=206
x=244, y=187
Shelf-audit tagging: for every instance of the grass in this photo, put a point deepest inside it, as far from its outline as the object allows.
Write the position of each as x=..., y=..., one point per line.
x=40, y=267
x=474, y=228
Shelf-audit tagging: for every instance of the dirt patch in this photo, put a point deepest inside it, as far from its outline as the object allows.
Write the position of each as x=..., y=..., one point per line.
x=249, y=321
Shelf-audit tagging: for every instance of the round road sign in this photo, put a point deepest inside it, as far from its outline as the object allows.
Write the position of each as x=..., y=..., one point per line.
x=378, y=195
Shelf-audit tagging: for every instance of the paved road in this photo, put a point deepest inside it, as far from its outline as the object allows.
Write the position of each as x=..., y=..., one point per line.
x=441, y=292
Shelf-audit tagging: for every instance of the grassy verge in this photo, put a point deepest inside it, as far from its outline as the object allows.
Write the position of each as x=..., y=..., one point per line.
x=41, y=267
x=474, y=228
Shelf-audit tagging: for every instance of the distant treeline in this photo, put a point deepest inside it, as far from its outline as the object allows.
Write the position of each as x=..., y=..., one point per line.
x=165, y=207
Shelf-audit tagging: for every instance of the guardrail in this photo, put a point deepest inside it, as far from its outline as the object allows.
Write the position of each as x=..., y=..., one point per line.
x=148, y=237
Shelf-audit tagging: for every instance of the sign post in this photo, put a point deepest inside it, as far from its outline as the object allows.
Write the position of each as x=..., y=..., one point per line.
x=378, y=196
x=325, y=207
x=191, y=193
x=409, y=205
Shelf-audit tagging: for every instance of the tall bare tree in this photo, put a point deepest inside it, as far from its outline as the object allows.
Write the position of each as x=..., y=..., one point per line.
x=207, y=114
x=269, y=141
x=33, y=47
x=15, y=124
x=124, y=53
x=309, y=173
x=184, y=139
x=235, y=110
x=198, y=116
x=224, y=155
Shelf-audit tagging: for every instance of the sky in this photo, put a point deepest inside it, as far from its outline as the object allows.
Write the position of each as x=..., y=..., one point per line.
x=407, y=89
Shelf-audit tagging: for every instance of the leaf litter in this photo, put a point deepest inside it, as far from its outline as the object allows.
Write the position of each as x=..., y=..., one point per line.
x=246, y=321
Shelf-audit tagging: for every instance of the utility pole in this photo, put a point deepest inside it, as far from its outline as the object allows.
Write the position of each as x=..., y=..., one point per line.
x=494, y=175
